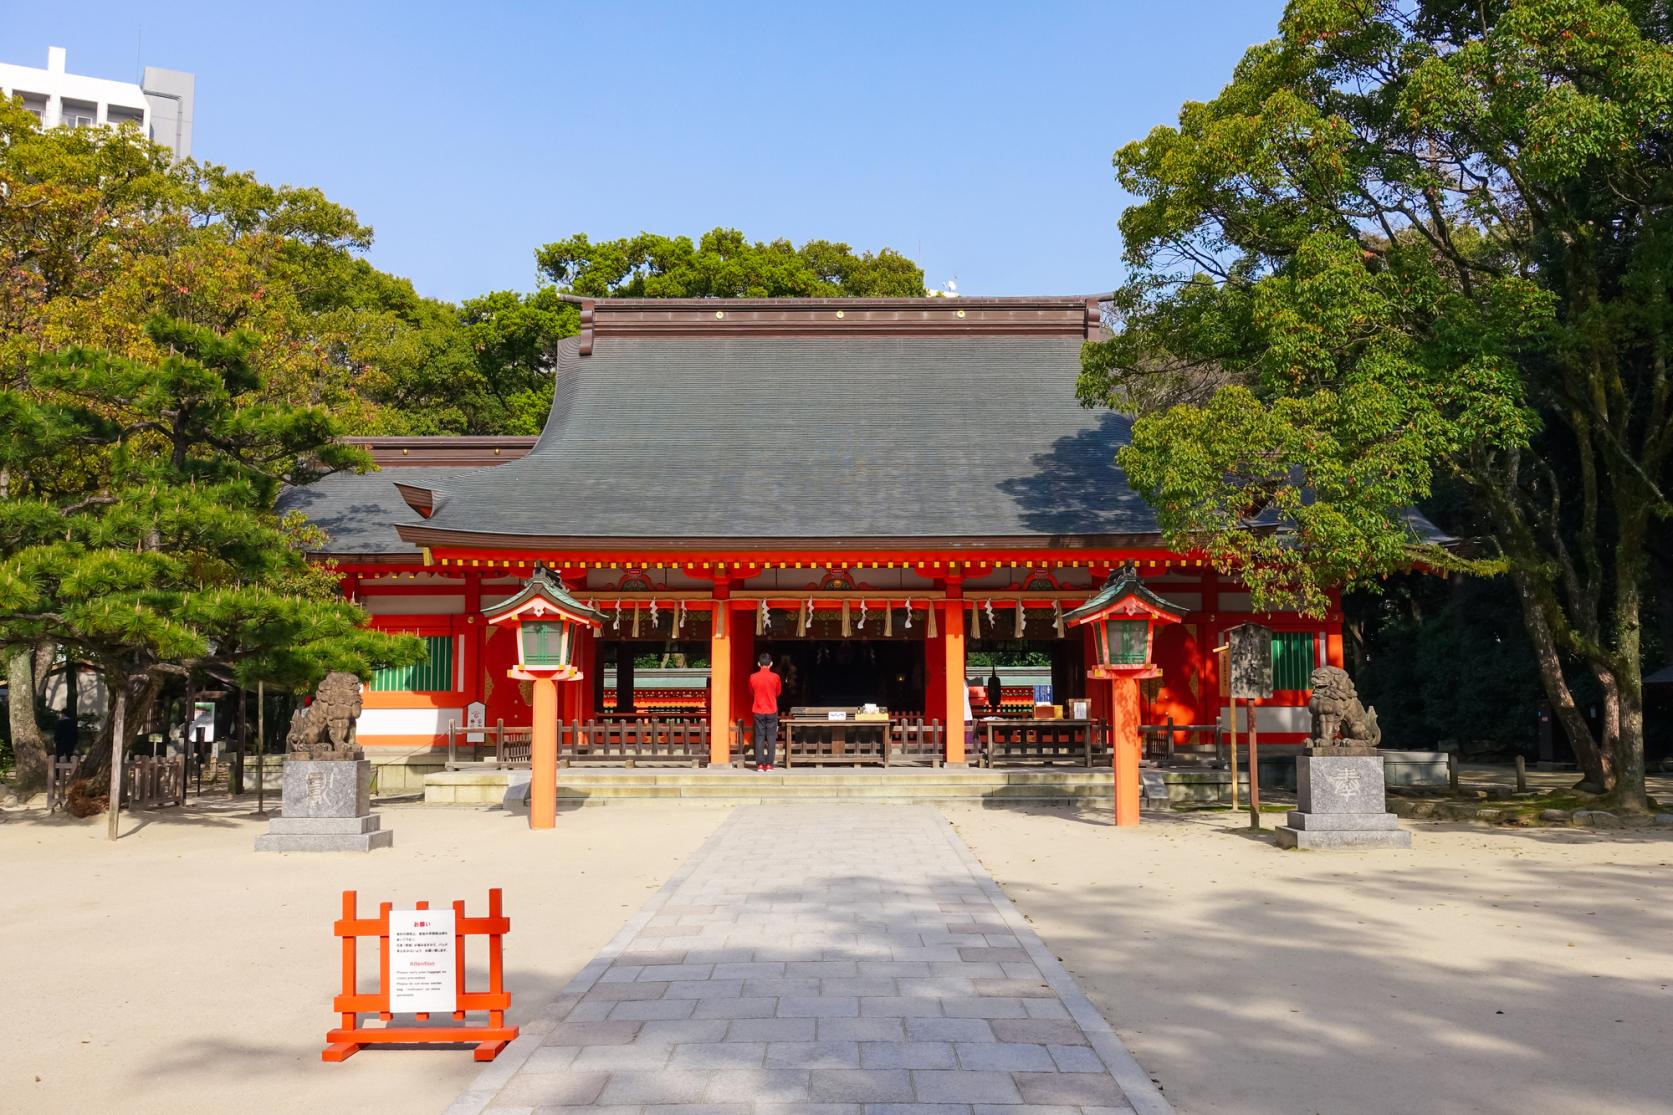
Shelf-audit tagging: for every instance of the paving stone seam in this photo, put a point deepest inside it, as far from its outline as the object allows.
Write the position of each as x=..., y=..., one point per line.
x=491, y=1079
x=1141, y=1091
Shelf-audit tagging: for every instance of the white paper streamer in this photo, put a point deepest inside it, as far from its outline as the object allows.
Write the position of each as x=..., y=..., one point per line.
x=655, y=614
x=617, y=626
x=909, y=613
x=864, y=611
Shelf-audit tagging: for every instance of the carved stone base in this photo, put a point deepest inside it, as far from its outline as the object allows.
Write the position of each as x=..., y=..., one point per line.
x=327, y=808
x=1340, y=791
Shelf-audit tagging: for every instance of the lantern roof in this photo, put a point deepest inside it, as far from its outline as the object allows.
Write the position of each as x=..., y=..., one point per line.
x=540, y=595
x=1125, y=594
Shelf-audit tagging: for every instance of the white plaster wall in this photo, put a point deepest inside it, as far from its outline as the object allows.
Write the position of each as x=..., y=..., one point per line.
x=407, y=721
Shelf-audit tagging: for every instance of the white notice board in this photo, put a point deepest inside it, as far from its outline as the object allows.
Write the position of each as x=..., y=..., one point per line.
x=423, y=965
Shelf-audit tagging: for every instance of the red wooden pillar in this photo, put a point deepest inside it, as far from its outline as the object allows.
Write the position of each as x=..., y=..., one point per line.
x=952, y=669
x=1208, y=692
x=476, y=636
x=543, y=756
x=720, y=677
x=1124, y=740
x=586, y=656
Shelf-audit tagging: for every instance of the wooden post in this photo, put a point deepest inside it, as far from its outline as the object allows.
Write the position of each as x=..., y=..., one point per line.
x=1521, y=775
x=261, y=749
x=1124, y=749
x=720, y=679
x=952, y=640
x=1452, y=770
x=543, y=756
x=1254, y=767
x=118, y=726
x=1234, y=752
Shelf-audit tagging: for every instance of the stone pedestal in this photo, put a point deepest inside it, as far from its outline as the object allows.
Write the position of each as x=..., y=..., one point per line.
x=1340, y=790
x=327, y=808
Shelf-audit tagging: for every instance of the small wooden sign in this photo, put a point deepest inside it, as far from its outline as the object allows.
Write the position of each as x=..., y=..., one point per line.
x=421, y=971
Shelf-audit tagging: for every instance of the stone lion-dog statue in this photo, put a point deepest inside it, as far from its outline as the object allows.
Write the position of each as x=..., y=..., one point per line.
x=1336, y=708
x=325, y=728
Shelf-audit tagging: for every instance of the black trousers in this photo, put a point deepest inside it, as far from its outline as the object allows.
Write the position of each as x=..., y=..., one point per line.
x=766, y=737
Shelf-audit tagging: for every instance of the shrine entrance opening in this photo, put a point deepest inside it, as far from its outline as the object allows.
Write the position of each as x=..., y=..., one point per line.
x=850, y=672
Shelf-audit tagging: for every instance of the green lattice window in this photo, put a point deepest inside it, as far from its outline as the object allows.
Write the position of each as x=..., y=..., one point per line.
x=1294, y=655
x=433, y=675
x=545, y=643
x=1127, y=644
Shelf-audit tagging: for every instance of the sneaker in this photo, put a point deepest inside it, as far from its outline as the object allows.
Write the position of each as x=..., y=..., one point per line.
x=760, y=768
x=768, y=767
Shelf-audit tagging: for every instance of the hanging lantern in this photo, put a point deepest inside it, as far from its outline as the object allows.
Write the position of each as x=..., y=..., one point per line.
x=547, y=621
x=1124, y=615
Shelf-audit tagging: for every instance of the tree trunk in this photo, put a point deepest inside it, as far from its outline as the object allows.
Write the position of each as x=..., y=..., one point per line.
x=118, y=735
x=1597, y=777
x=241, y=724
x=137, y=706
x=28, y=744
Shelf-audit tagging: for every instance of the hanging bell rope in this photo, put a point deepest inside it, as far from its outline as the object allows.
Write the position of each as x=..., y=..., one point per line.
x=1057, y=617
x=1022, y=621
x=929, y=611
x=804, y=616
x=635, y=620
x=975, y=620
x=888, y=621
x=847, y=629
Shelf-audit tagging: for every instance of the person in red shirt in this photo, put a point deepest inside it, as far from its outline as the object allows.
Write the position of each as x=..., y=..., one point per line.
x=765, y=687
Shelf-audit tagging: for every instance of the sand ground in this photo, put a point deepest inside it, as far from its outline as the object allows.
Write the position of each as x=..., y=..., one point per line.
x=177, y=971
x=1486, y=970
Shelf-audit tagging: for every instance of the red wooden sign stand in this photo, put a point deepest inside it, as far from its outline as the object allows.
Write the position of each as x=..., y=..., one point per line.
x=347, y=1039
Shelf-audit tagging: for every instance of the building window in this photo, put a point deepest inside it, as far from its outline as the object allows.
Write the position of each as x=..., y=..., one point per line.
x=433, y=675
x=1293, y=658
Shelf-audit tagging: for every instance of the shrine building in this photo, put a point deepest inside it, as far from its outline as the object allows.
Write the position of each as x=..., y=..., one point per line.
x=876, y=491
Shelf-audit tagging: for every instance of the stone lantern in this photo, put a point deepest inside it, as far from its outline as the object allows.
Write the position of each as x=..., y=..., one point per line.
x=547, y=622
x=1124, y=616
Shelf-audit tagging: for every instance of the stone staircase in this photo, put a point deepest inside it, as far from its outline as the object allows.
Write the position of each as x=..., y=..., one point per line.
x=618, y=786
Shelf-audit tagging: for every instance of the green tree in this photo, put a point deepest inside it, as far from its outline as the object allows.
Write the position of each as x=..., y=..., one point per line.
x=166, y=556
x=724, y=264
x=1415, y=242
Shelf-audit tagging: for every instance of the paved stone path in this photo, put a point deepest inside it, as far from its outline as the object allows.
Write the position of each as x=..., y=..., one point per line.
x=821, y=960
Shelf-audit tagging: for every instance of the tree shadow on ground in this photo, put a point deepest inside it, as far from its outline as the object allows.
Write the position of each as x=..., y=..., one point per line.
x=1328, y=1000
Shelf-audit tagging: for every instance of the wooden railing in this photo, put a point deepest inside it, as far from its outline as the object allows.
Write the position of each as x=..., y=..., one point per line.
x=146, y=782
x=900, y=740
x=616, y=740
x=1042, y=741
x=1202, y=741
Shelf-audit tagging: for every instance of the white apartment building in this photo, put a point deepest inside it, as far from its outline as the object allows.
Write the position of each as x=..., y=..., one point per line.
x=160, y=105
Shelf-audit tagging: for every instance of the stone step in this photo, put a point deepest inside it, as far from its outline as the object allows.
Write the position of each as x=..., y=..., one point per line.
x=726, y=786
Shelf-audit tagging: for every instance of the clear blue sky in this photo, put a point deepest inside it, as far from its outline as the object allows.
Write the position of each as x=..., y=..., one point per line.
x=974, y=137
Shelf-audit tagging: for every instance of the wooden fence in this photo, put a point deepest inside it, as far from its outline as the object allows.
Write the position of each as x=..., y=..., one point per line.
x=147, y=783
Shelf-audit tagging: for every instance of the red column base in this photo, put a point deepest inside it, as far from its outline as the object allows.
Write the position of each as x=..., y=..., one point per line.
x=1124, y=738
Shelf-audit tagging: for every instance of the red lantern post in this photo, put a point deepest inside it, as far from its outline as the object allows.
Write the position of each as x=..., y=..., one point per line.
x=548, y=621
x=1124, y=615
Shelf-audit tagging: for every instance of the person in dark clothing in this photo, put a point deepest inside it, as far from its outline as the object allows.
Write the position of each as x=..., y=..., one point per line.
x=996, y=693
x=64, y=736
x=764, y=688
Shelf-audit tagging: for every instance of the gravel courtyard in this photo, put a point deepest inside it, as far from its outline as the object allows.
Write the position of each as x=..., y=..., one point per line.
x=1484, y=971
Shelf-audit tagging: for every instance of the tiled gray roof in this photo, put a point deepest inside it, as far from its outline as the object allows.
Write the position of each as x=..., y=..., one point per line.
x=810, y=437
x=359, y=513
x=799, y=437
